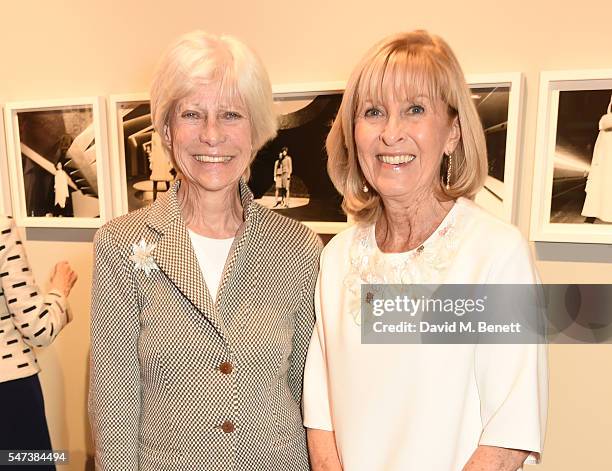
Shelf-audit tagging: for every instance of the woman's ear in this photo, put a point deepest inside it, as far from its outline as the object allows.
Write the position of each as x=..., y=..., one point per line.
x=454, y=136
x=167, y=136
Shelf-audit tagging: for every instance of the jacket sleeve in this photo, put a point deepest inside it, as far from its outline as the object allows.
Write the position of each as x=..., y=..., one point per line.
x=304, y=323
x=114, y=391
x=38, y=318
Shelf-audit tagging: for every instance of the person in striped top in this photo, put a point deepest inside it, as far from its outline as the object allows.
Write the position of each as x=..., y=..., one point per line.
x=28, y=319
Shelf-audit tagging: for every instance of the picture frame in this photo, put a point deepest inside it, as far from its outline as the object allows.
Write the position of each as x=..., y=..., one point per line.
x=136, y=154
x=499, y=101
x=306, y=112
x=58, y=162
x=5, y=189
x=571, y=202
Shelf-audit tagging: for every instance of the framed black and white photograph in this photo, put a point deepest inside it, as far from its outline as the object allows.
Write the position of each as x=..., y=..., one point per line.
x=141, y=169
x=57, y=157
x=498, y=99
x=5, y=193
x=289, y=174
x=572, y=191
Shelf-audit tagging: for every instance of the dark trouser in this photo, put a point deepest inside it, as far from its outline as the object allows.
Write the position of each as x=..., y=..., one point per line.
x=23, y=425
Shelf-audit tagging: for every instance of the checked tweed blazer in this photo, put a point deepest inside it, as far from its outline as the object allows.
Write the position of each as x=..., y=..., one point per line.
x=181, y=383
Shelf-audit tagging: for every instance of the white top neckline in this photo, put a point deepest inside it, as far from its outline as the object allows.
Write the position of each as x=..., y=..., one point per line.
x=435, y=235
x=211, y=255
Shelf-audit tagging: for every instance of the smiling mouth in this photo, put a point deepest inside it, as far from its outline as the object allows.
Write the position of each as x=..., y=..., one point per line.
x=396, y=159
x=215, y=159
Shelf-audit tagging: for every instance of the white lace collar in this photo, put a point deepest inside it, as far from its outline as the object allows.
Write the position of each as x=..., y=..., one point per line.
x=425, y=264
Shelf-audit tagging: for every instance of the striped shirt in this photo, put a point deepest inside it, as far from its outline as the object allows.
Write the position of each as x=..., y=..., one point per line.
x=27, y=318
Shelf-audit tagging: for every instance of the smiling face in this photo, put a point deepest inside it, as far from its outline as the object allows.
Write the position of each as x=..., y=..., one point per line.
x=210, y=138
x=400, y=144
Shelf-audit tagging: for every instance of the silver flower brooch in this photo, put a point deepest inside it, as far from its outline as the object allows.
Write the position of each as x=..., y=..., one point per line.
x=142, y=257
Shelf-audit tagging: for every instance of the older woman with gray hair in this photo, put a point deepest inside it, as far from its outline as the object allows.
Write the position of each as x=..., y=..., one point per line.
x=407, y=151
x=199, y=336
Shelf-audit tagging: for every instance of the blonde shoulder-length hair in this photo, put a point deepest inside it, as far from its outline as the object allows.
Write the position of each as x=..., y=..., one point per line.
x=198, y=58
x=407, y=63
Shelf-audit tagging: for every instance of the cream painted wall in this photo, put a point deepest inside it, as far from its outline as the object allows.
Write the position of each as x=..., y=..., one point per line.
x=55, y=49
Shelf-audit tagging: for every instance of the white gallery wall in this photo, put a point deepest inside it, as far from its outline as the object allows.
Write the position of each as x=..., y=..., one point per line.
x=69, y=48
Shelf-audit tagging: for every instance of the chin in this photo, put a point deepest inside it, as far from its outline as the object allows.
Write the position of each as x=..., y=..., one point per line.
x=210, y=184
x=220, y=186
x=396, y=189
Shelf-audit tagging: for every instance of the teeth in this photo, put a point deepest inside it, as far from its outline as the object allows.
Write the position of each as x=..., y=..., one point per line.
x=213, y=158
x=397, y=159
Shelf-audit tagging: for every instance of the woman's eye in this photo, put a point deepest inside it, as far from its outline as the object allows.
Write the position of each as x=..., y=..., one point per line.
x=373, y=113
x=190, y=115
x=416, y=109
x=231, y=115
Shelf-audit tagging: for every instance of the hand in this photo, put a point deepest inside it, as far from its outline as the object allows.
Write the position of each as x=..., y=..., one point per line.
x=63, y=278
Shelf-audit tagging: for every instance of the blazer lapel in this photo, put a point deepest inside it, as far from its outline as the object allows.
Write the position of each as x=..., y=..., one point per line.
x=244, y=251
x=174, y=255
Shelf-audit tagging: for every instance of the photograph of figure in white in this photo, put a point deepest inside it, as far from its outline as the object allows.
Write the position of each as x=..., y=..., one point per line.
x=60, y=186
x=582, y=172
x=59, y=151
x=282, y=179
x=598, y=201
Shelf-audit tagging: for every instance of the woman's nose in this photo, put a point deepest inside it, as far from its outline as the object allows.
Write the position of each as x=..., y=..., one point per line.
x=393, y=131
x=211, y=133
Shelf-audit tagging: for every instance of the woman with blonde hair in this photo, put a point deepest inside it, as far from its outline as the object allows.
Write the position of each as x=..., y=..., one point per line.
x=199, y=335
x=407, y=152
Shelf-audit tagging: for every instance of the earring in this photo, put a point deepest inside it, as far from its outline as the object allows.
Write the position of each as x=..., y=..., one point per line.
x=365, y=188
x=449, y=170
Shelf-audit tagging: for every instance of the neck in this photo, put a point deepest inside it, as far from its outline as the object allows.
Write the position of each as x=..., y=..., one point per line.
x=215, y=214
x=405, y=225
